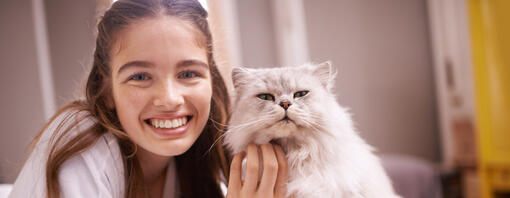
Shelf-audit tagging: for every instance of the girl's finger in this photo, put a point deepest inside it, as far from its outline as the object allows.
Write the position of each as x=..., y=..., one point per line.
x=283, y=173
x=234, y=183
x=252, y=169
x=270, y=170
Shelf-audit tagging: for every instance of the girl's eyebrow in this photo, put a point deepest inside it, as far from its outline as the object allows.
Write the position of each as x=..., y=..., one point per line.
x=135, y=63
x=147, y=64
x=189, y=62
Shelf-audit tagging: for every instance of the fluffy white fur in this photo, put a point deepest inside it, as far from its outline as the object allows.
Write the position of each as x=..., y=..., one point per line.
x=327, y=158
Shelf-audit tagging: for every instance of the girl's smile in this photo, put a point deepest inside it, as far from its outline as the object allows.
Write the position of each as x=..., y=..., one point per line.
x=169, y=125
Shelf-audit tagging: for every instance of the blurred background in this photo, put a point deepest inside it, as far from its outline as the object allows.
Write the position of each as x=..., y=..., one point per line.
x=427, y=81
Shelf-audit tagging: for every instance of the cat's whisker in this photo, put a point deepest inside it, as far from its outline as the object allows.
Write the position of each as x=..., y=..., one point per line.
x=232, y=126
x=214, y=143
x=311, y=124
x=247, y=123
x=305, y=116
x=310, y=114
x=229, y=130
x=313, y=116
x=216, y=123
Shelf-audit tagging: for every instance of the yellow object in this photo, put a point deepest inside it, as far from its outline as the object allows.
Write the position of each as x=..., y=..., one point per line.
x=490, y=34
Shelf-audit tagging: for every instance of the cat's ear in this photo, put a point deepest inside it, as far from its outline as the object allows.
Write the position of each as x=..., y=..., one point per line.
x=326, y=74
x=239, y=76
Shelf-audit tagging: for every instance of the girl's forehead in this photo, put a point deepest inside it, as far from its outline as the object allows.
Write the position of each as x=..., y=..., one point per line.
x=157, y=39
x=157, y=28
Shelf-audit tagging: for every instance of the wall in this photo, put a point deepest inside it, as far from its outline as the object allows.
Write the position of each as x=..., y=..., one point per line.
x=70, y=27
x=258, y=48
x=382, y=52
x=71, y=44
x=21, y=114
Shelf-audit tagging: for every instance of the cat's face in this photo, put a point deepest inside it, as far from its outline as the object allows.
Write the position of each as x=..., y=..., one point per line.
x=278, y=102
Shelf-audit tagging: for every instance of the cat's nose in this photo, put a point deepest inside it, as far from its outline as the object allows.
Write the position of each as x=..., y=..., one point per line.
x=285, y=104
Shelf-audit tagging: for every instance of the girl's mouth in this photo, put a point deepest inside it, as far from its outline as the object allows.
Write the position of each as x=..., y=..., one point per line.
x=169, y=127
x=161, y=123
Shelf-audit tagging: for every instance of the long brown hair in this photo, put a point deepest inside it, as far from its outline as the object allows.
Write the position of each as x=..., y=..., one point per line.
x=200, y=168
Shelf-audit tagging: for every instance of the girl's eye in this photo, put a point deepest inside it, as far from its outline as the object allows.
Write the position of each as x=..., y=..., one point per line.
x=266, y=96
x=188, y=74
x=139, y=77
x=300, y=94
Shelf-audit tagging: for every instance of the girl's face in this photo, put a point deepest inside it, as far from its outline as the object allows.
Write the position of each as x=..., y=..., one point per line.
x=161, y=84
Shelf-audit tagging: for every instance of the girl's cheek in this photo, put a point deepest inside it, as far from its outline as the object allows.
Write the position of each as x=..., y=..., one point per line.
x=137, y=97
x=130, y=98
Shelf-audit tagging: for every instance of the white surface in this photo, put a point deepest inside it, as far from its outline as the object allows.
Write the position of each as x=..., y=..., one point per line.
x=5, y=189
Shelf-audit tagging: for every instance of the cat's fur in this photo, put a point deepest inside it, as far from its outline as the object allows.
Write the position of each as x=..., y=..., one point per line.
x=326, y=156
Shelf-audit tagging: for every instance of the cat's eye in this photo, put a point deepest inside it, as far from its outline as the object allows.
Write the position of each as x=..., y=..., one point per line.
x=300, y=94
x=266, y=96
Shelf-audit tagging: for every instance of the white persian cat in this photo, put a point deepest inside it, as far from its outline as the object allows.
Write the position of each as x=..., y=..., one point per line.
x=294, y=107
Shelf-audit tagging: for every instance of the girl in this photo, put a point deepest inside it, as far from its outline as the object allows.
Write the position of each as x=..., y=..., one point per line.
x=155, y=105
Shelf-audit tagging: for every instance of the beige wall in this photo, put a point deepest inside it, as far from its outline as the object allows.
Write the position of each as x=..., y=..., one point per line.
x=21, y=106
x=256, y=33
x=70, y=26
x=382, y=52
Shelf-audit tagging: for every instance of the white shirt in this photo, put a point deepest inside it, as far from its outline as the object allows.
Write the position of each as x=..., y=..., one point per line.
x=98, y=171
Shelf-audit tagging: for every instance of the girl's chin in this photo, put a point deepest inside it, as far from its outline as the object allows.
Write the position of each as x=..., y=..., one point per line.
x=173, y=150
x=169, y=147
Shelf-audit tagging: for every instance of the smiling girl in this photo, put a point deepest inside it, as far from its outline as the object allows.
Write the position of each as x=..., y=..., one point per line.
x=155, y=105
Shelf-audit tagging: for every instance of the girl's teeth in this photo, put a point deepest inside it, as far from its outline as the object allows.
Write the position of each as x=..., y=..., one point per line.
x=169, y=123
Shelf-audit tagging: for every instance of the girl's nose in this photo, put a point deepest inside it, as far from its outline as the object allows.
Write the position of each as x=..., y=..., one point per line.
x=168, y=95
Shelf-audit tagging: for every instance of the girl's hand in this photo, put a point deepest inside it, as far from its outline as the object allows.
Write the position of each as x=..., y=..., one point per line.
x=274, y=175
